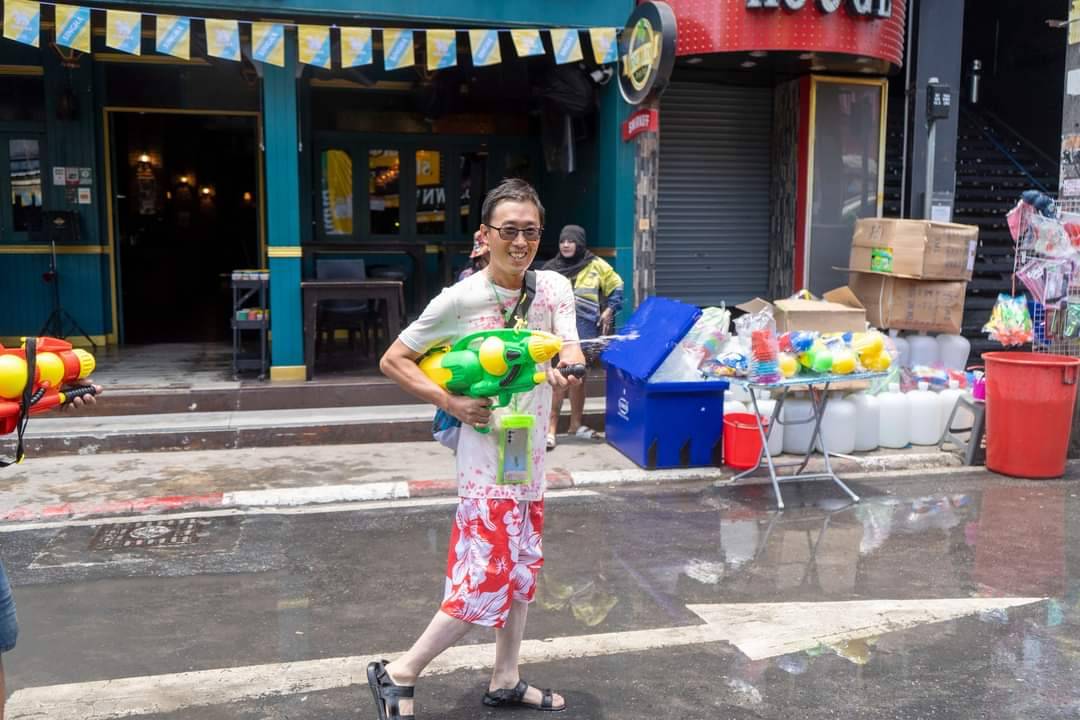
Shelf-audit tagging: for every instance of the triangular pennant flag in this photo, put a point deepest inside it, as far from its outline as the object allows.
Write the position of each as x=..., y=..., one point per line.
x=174, y=36
x=605, y=45
x=485, y=47
x=73, y=27
x=527, y=42
x=398, y=49
x=123, y=31
x=268, y=43
x=441, y=49
x=315, y=45
x=223, y=39
x=356, y=47
x=567, y=46
x=22, y=22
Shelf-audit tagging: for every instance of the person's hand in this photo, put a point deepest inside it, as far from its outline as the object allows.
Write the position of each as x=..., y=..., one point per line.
x=470, y=411
x=607, y=321
x=557, y=380
x=82, y=401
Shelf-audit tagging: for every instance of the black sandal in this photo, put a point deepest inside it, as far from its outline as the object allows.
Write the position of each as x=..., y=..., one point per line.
x=387, y=693
x=515, y=697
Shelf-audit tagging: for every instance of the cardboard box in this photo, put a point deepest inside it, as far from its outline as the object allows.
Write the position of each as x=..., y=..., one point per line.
x=904, y=304
x=914, y=248
x=839, y=311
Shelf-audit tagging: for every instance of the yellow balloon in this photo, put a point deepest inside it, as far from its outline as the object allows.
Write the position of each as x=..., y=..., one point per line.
x=868, y=344
x=843, y=362
x=789, y=366
x=12, y=377
x=878, y=363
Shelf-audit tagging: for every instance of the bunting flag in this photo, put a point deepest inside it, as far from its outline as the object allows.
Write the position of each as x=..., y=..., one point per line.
x=123, y=31
x=315, y=45
x=485, y=47
x=223, y=39
x=567, y=46
x=174, y=36
x=356, y=47
x=73, y=27
x=268, y=43
x=22, y=22
x=398, y=49
x=441, y=49
x=605, y=45
x=527, y=42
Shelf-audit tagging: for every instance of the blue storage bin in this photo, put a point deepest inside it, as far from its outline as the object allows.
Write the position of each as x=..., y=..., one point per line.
x=662, y=425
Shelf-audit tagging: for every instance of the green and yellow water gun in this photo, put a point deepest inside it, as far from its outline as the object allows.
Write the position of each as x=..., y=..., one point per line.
x=495, y=363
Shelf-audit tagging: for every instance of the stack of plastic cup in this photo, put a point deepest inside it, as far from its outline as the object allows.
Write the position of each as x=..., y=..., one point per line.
x=765, y=357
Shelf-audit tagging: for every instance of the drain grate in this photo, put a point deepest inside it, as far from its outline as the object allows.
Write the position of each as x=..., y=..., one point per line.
x=148, y=534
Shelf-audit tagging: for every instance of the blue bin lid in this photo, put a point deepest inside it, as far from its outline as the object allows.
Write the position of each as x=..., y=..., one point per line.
x=660, y=323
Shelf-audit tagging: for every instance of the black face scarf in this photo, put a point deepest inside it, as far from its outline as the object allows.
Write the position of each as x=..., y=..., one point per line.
x=569, y=267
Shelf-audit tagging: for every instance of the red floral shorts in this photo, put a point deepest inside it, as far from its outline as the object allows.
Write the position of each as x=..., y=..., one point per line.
x=496, y=552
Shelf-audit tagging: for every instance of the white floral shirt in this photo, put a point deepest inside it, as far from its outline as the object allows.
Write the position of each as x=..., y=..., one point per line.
x=476, y=304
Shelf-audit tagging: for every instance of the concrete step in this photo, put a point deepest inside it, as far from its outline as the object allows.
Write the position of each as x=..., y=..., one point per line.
x=82, y=434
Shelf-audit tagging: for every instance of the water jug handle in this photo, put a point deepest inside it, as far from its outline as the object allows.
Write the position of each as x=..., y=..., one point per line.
x=1069, y=374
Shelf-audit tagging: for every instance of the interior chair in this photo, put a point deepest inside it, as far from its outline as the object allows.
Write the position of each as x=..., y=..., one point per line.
x=353, y=316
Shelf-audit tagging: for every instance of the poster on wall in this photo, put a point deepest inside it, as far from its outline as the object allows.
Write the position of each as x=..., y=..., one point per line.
x=337, y=176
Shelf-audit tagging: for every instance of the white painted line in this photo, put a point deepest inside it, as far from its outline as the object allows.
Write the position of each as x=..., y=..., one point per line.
x=233, y=512
x=797, y=626
x=637, y=475
x=292, y=497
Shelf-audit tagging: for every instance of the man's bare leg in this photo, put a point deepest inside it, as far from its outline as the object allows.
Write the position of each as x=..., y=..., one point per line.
x=557, y=396
x=577, y=407
x=507, y=655
x=442, y=632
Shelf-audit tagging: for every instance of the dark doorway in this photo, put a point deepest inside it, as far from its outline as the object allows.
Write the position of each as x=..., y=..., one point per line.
x=186, y=216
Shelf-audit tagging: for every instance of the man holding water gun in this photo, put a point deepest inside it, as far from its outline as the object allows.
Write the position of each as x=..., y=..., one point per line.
x=495, y=545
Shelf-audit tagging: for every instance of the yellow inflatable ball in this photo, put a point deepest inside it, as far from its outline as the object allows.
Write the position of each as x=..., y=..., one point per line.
x=868, y=344
x=789, y=365
x=878, y=363
x=806, y=360
x=843, y=362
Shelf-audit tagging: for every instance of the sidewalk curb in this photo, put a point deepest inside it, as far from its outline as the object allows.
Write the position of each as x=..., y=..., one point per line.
x=899, y=464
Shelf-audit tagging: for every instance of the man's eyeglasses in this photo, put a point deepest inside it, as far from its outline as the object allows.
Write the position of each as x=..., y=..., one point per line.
x=510, y=233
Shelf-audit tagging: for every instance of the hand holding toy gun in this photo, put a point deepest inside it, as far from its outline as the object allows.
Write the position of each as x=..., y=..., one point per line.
x=495, y=364
x=32, y=379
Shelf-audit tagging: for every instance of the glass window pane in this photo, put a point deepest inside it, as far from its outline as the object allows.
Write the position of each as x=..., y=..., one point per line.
x=337, y=192
x=22, y=99
x=847, y=145
x=384, y=168
x=25, y=174
x=518, y=165
x=430, y=193
x=474, y=167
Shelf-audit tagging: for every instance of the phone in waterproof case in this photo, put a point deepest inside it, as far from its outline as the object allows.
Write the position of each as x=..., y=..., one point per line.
x=515, y=450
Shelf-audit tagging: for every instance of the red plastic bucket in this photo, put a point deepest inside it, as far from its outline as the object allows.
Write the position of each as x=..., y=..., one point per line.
x=1030, y=400
x=742, y=442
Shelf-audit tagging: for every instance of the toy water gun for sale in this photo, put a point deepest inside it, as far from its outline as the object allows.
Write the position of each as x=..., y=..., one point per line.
x=495, y=363
x=32, y=378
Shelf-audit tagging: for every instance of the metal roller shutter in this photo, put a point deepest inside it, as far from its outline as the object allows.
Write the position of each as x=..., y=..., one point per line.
x=712, y=240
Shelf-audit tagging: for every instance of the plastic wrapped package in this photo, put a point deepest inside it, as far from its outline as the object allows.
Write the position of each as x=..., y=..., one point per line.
x=760, y=329
x=681, y=365
x=1010, y=321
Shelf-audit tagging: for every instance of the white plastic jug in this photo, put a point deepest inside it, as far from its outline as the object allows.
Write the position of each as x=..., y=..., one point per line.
x=947, y=401
x=903, y=349
x=838, y=426
x=925, y=416
x=924, y=350
x=738, y=393
x=954, y=351
x=797, y=437
x=895, y=418
x=867, y=421
x=766, y=405
x=734, y=406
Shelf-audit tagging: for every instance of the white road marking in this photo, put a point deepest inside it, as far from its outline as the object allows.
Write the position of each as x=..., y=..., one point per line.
x=797, y=626
x=293, y=497
x=232, y=512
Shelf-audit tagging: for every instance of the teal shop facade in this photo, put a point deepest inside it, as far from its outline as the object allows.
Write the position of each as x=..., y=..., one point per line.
x=264, y=153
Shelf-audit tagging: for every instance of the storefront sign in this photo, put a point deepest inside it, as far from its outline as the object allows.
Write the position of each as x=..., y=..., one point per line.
x=647, y=52
x=647, y=120
x=872, y=9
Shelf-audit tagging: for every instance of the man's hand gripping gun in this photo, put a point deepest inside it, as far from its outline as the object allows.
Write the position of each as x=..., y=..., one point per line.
x=495, y=364
x=33, y=378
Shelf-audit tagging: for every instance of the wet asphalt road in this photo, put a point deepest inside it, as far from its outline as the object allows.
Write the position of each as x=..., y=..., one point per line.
x=261, y=589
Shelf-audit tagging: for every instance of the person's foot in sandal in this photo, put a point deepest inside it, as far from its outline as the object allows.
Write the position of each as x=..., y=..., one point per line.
x=525, y=695
x=393, y=701
x=584, y=432
x=551, y=441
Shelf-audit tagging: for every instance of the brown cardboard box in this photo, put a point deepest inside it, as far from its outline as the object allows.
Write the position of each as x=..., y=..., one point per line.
x=905, y=304
x=840, y=311
x=914, y=248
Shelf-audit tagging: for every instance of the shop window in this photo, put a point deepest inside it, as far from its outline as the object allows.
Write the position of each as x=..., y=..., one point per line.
x=22, y=99
x=24, y=174
x=474, y=169
x=518, y=165
x=337, y=193
x=384, y=191
x=430, y=193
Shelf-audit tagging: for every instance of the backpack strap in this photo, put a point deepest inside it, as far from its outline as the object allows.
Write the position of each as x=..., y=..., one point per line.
x=27, y=402
x=525, y=301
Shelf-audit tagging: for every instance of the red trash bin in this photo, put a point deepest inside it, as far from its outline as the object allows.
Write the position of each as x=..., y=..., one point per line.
x=1030, y=400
